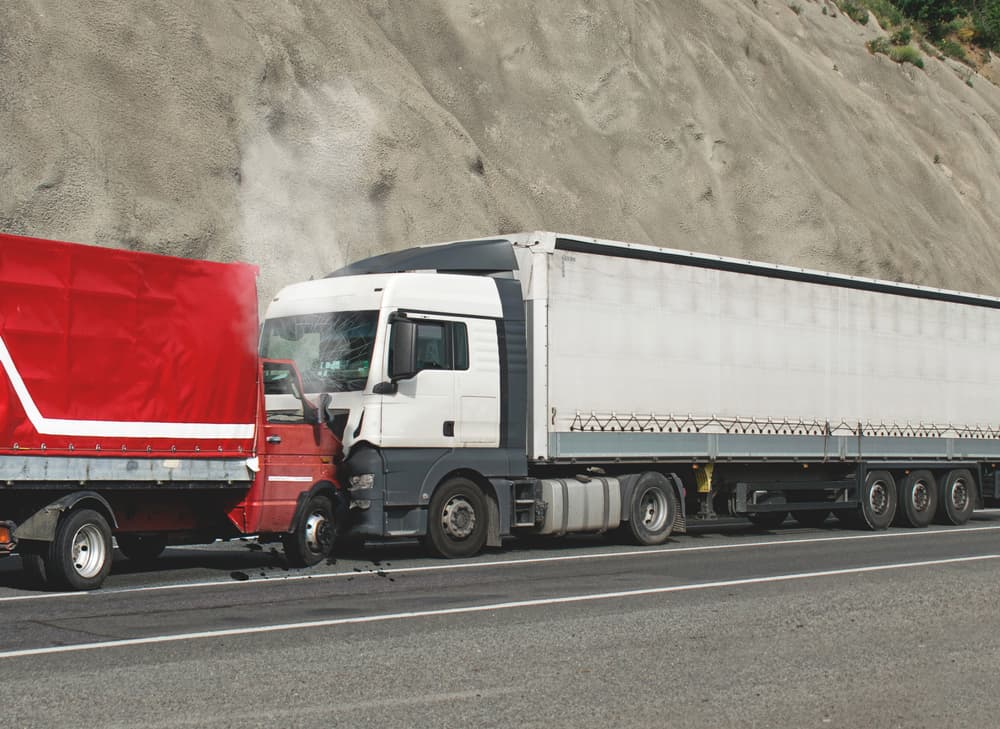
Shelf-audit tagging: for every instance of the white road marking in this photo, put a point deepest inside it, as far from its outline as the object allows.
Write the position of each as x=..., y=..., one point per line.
x=640, y=552
x=42, y=595
x=592, y=597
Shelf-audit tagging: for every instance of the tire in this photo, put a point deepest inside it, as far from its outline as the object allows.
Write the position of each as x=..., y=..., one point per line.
x=812, y=518
x=142, y=548
x=79, y=557
x=878, y=500
x=651, y=510
x=457, y=520
x=956, y=497
x=767, y=519
x=313, y=539
x=918, y=499
x=33, y=562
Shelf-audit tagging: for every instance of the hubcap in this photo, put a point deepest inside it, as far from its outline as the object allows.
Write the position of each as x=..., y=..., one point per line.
x=921, y=496
x=878, y=498
x=458, y=518
x=317, y=532
x=89, y=551
x=653, y=509
x=959, y=494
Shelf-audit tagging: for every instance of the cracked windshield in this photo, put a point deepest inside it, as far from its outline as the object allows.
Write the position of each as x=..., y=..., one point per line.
x=333, y=350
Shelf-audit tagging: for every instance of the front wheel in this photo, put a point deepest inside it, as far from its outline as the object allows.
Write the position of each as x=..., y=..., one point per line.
x=79, y=557
x=457, y=521
x=312, y=541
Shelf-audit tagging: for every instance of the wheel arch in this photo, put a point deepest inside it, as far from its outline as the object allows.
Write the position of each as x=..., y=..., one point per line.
x=327, y=488
x=41, y=526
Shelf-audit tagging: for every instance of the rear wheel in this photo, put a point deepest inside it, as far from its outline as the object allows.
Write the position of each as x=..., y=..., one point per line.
x=457, y=520
x=142, y=547
x=651, y=510
x=312, y=541
x=957, y=497
x=918, y=499
x=79, y=557
x=878, y=500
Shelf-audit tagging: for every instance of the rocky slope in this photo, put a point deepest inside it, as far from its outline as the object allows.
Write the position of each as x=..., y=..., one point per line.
x=300, y=134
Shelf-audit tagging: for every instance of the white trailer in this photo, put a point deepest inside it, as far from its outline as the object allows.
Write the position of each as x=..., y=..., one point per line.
x=550, y=383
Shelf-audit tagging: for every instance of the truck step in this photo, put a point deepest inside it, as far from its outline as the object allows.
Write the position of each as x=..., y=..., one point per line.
x=525, y=503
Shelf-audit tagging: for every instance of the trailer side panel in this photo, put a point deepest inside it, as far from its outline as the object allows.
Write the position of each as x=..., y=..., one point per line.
x=658, y=358
x=112, y=352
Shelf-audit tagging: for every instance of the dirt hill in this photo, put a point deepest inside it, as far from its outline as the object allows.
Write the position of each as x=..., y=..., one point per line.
x=302, y=134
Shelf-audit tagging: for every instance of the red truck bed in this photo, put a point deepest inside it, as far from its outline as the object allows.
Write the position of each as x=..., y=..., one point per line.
x=112, y=352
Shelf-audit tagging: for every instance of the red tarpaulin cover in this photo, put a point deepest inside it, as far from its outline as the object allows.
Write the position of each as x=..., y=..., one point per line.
x=114, y=348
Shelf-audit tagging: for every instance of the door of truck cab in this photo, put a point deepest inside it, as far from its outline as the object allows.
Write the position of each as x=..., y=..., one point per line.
x=453, y=399
x=296, y=448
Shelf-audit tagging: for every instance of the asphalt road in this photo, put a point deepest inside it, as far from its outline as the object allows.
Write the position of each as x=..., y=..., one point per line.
x=723, y=628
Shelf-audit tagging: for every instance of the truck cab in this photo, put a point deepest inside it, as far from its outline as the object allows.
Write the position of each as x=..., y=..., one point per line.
x=416, y=361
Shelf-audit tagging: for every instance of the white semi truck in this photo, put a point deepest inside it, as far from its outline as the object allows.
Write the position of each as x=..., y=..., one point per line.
x=542, y=383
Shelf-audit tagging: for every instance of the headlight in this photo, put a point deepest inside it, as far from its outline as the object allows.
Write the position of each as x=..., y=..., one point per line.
x=362, y=481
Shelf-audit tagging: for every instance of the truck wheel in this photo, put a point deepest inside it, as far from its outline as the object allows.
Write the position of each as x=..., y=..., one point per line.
x=957, y=498
x=651, y=510
x=918, y=499
x=142, y=548
x=457, y=521
x=80, y=555
x=811, y=518
x=312, y=541
x=878, y=500
x=767, y=519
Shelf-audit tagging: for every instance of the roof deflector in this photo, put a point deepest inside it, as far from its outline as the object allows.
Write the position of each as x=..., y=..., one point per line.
x=480, y=257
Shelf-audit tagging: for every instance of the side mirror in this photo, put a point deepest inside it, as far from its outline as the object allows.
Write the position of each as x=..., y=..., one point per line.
x=402, y=350
x=324, y=405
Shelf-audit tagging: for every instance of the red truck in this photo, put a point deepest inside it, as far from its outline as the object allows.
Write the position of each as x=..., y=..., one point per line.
x=133, y=405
